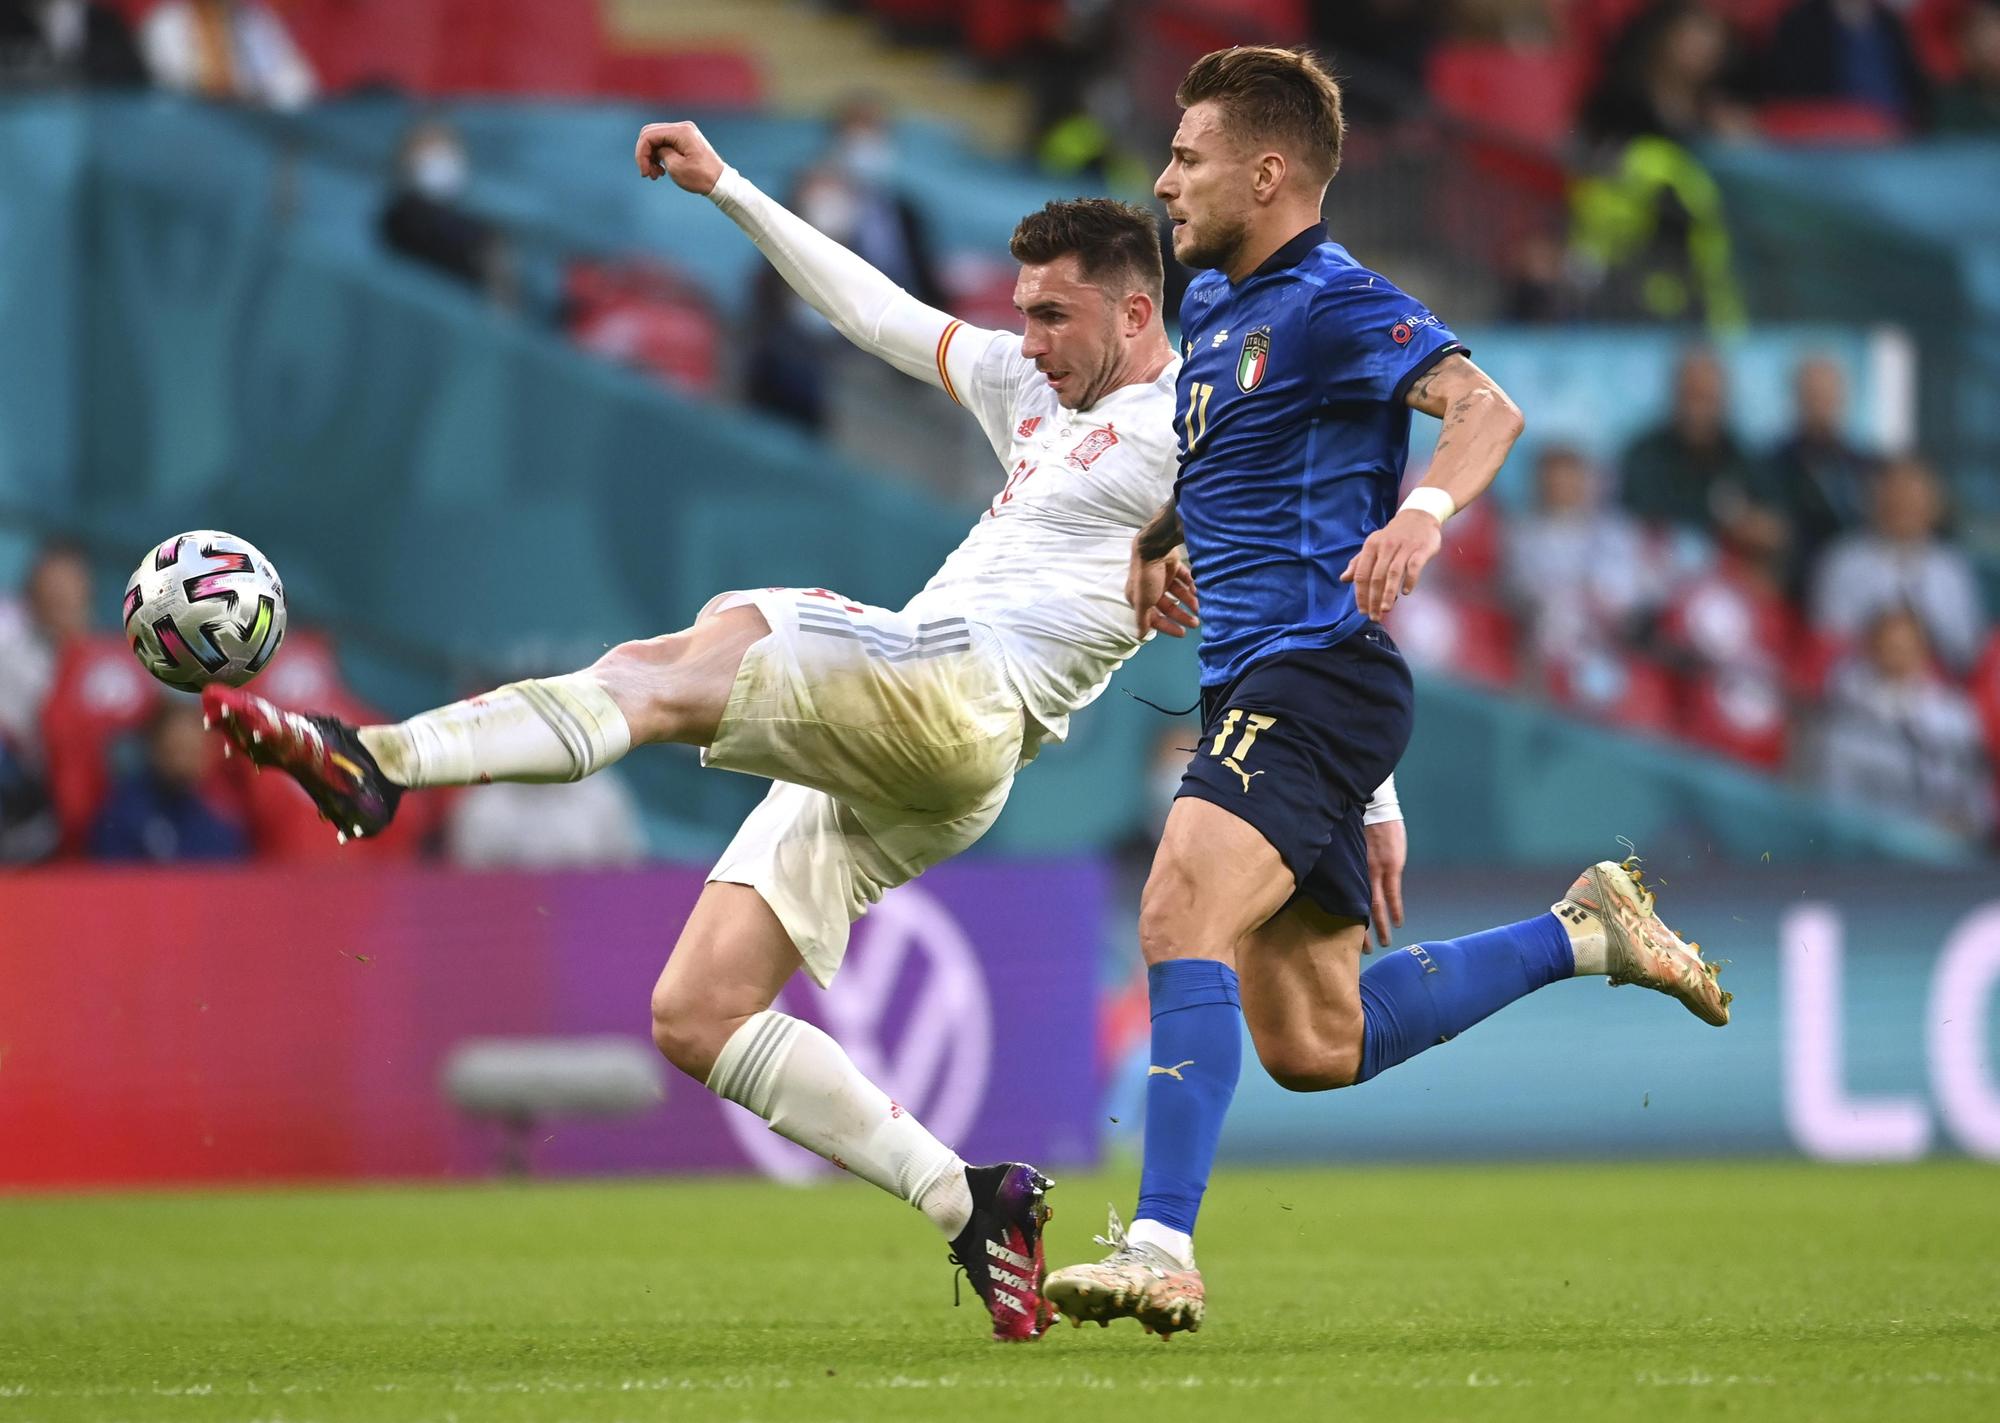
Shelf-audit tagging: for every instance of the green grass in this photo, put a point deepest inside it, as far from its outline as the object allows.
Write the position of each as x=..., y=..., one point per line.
x=1531, y=1293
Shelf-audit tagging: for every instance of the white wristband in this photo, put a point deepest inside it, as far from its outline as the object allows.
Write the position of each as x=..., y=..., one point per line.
x=1384, y=804
x=1433, y=501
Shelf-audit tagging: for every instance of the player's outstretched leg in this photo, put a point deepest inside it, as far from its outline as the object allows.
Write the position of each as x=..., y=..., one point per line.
x=712, y=1019
x=670, y=688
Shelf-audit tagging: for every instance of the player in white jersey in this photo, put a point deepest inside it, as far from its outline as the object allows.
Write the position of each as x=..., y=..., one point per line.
x=892, y=736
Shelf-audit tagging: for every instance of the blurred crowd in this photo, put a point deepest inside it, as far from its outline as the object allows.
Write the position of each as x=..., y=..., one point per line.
x=100, y=762
x=1801, y=609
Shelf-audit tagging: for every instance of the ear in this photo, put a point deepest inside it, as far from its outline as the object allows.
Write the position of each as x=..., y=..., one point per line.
x=1139, y=312
x=1268, y=178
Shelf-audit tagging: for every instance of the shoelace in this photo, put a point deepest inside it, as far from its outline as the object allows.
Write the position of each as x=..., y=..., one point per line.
x=1114, y=1237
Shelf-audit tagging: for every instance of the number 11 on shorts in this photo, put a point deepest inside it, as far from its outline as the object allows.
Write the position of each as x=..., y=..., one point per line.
x=1252, y=724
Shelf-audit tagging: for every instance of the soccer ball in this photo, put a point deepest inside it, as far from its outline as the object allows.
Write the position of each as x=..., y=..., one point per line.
x=205, y=607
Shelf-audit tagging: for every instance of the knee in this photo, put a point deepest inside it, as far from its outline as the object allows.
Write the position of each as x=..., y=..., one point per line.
x=1166, y=927
x=1312, y=1064
x=636, y=675
x=684, y=1032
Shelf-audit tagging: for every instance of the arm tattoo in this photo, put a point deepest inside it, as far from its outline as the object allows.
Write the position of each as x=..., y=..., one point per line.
x=1161, y=534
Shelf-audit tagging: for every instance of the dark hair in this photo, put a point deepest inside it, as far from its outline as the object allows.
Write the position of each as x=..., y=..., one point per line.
x=1283, y=97
x=1116, y=244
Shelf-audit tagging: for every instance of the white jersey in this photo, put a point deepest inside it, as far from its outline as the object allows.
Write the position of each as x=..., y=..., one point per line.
x=1045, y=565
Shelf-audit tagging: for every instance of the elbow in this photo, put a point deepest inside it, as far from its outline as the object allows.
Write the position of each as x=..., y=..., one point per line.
x=1508, y=421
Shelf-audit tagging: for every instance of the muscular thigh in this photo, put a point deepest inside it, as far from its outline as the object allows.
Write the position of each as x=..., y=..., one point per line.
x=1300, y=978
x=1214, y=879
x=731, y=960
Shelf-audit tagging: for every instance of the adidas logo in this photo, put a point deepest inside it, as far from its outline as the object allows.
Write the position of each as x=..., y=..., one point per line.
x=1001, y=1252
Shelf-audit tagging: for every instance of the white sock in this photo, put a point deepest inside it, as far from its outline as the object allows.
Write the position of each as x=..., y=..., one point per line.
x=1176, y=1243
x=1586, y=938
x=797, y=1078
x=549, y=729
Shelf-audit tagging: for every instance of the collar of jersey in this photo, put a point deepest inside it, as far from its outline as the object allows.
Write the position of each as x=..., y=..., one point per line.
x=1290, y=255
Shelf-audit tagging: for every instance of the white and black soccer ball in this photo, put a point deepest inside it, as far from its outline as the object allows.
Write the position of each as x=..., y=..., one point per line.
x=205, y=607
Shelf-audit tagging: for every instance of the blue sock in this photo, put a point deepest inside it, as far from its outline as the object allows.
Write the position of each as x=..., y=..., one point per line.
x=1421, y=996
x=1197, y=1054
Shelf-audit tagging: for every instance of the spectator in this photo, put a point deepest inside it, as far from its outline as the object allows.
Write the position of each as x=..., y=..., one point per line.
x=1899, y=737
x=1668, y=75
x=1737, y=638
x=1689, y=472
x=227, y=49
x=1972, y=105
x=1817, y=479
x=163, y=812
x=66, y=43
x=591, y=824
x=1900, y=561
x=850, y=196
x=54, y=610
x=1577, y=572
x=425, y=222
x=1849, y=51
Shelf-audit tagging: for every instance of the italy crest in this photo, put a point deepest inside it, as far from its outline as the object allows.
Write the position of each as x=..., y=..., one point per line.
x=1250, y=366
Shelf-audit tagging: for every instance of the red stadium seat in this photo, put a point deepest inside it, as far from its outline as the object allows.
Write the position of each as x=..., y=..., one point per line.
x=1827, y=121
x=1528, y=94
x=711, y=78
x=640, y=314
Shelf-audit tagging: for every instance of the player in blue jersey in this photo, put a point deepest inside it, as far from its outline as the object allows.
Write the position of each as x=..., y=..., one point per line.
x=1301, y=368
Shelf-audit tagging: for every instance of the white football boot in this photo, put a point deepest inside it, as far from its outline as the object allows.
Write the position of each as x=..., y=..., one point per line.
x=1643, y=950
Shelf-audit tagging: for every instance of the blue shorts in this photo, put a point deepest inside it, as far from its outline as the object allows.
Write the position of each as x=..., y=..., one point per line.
x=1296, y=746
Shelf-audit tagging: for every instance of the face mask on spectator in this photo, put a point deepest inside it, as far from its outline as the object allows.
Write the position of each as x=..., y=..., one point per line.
x=439, y=170
x=869, y=157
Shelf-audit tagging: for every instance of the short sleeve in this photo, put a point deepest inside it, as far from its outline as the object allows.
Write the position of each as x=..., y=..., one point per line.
x=983, y=371
x=1373, y=340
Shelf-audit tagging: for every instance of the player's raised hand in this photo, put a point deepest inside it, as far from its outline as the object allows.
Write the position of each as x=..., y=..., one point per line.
x=678, y=151
x=1388, y=848
x=1392, y=560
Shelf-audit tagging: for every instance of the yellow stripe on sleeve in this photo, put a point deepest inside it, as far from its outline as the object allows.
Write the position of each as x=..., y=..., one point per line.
x=944, y=345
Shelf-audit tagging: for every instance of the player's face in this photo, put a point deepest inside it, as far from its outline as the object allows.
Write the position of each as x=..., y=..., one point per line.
x=1071, y=331
x=1207, y=187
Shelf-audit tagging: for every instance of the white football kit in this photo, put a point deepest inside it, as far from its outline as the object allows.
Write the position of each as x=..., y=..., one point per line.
x=893, y=737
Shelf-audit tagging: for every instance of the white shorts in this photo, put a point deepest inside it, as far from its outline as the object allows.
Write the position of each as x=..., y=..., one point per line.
x=894, y=743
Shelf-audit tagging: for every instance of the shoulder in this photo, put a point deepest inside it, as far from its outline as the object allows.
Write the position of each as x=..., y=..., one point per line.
x=1202, y=296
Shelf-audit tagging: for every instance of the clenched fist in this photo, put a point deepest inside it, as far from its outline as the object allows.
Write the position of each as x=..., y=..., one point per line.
x=678, y=151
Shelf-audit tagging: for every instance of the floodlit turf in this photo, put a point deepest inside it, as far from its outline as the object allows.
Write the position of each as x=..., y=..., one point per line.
x=1530, y=1293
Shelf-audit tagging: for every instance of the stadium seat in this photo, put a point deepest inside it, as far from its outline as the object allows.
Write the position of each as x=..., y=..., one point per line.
x=641, y=314
x=1825, y=121
x=1626, y=691
x=710, y=78
x=1525, y=93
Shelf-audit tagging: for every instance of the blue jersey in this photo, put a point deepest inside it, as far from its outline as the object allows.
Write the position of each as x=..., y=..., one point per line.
x=1293, y=437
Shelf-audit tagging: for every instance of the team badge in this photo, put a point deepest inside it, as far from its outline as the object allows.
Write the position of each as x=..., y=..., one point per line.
x=1401, y=333
x=1256, y=358
x=1027, y=427
x=1094, y=444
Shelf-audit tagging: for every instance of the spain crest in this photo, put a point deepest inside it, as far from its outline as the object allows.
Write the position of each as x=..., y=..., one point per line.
x=1256, y=357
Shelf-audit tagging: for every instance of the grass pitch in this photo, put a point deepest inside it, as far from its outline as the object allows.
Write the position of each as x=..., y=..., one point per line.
x=1529, y=1293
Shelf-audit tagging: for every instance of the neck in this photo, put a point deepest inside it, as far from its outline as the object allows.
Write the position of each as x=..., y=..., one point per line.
x=1142, y=364
x=1278, y=225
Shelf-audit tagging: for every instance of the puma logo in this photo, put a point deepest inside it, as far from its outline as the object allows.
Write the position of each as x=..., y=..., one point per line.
x=1173, y=1072
x=1230, y=762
